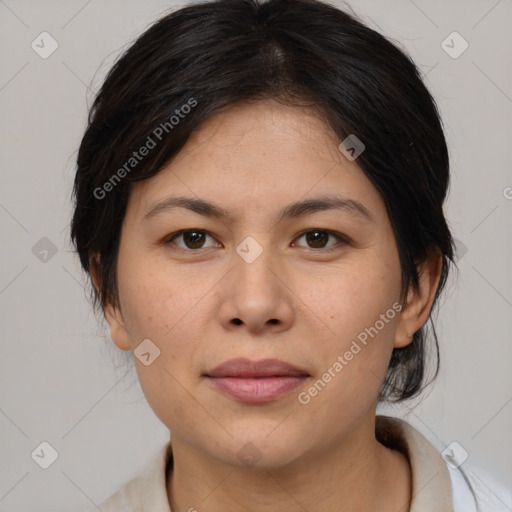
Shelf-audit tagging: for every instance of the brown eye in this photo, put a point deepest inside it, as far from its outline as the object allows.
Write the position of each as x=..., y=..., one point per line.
x=318, y=238
x=192, y=238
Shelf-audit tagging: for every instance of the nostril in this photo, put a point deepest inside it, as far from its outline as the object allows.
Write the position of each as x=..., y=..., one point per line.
x=237, y=321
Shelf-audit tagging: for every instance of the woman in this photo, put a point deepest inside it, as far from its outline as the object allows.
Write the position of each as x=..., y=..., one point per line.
x=259, y=204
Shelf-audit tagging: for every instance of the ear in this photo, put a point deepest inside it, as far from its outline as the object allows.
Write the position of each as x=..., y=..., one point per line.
x=419, y=302
x=118, y=331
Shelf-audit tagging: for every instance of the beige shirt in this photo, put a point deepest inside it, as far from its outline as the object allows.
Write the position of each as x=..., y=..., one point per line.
x=435, y=486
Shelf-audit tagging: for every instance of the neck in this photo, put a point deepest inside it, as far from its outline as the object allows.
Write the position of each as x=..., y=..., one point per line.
x=357, y=473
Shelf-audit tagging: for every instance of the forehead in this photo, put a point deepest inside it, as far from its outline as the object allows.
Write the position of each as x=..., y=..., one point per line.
x=263, y=118
x=256, y=155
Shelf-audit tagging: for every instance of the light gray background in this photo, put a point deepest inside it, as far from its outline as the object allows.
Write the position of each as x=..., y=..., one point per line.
x=59, y=380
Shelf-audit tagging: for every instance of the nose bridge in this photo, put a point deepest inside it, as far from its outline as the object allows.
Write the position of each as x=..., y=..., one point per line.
x=253, y=259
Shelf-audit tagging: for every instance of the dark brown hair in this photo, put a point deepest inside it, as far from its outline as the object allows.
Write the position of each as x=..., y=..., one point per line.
x=208, y=56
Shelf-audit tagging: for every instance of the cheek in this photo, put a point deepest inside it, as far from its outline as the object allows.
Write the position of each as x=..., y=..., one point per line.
x=156, y=302
x=361, y=309
x=157, y=310
x=353, y=298
x=352, y=369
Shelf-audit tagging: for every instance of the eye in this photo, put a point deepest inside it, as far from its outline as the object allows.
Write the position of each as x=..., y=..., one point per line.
x=317, y=238
x=193, y=239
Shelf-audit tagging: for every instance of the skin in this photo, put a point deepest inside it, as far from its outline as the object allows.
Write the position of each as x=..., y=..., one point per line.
x=295, y=302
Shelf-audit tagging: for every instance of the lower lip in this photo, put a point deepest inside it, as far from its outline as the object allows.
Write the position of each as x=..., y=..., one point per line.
x=256, y=390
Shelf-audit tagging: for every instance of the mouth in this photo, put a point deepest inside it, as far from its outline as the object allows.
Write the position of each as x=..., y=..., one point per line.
x=256, y=381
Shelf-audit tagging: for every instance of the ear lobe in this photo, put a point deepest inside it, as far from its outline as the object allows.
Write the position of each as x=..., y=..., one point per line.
x=419, y=302
x=118, y=332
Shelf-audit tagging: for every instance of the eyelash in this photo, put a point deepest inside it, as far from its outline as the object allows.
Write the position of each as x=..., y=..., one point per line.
x=170, y=239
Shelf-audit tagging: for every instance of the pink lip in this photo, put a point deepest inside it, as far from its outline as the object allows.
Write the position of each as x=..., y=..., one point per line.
x=256, y=381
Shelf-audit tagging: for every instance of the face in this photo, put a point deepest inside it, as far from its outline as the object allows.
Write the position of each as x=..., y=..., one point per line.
x=315, y=287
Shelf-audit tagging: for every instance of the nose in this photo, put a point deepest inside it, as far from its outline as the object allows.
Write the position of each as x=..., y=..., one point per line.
x=255, y=294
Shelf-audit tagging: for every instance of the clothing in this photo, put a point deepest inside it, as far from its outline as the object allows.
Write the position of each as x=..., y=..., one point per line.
x=436, y=486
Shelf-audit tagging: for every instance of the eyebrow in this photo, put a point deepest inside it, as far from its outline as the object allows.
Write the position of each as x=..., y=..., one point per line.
x=293, y=210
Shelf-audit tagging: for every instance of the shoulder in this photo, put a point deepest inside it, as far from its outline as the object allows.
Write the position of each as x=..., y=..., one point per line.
x=126, y=499
x=464, y=498
x=478, y=493
x=436, y=481
x=146, y=492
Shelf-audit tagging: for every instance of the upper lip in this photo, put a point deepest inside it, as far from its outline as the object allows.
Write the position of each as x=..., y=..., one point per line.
x=242, y=367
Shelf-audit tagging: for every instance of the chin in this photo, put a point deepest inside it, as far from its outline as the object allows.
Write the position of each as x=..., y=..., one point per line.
x=254, y=447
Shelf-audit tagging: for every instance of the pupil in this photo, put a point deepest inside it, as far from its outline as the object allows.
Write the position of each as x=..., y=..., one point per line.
x=195, y=237
x=313, y=237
